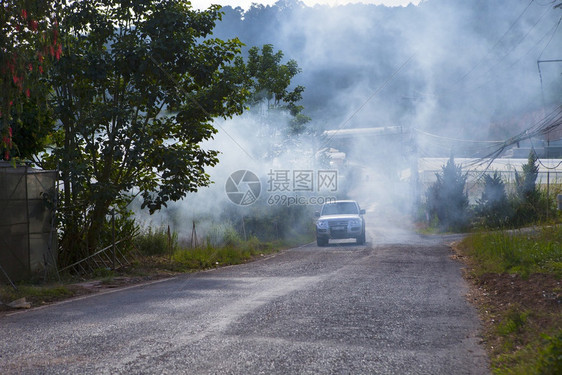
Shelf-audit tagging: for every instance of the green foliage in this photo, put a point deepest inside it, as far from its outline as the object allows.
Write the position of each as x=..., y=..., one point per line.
x=223, y=234
x=527, y=199
x=29, y=42
x=104, y=273
x=517, y=252
x=512, y=322
x=31, y=129
x=526, y=181
x=270, y=82
x=270, y=222
x=158, y=241
x=36, y=294
x=270, y=77
x=526, y=205
x=519, y=343
x=550, y=355
x=446, y=198
x=493, y=206
x=136, y=91
x=208, y=256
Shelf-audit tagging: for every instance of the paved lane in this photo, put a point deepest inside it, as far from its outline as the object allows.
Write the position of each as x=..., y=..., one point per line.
x=395, y=306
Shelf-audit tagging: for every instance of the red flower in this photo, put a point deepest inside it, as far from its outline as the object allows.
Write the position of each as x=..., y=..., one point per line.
x=40, y=68
x=30, y=67
x=27, y=93
x=24, y=14
x=33, y=25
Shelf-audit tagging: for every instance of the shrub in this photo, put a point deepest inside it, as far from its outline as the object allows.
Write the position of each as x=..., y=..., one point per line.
x=156, y=241
x=550, y=357
x=447, y=200
x=493, y=206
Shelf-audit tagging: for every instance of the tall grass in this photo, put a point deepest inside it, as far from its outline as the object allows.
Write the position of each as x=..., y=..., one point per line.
x=522, y=252
x=159, y=241
x=209, y=255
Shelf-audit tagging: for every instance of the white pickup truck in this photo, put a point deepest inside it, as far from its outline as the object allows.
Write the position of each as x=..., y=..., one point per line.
x=340, y=219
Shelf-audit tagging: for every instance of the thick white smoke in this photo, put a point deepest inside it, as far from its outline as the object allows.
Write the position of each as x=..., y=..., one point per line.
x=440, y=70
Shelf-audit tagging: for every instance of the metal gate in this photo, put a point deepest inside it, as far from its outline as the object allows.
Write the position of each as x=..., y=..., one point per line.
x=27, y=231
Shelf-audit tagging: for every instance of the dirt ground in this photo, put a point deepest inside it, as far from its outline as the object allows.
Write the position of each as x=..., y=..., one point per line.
x=496, y=295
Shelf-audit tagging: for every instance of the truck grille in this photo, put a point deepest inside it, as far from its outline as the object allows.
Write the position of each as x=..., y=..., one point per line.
x=338, y=223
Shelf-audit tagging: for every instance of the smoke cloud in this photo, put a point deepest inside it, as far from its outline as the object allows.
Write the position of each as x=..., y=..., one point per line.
x=448, y=68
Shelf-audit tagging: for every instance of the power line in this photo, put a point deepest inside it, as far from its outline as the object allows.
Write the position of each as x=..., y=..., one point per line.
x=379, y=89
x=501, y=59
x=552, y=36
x=497, y=43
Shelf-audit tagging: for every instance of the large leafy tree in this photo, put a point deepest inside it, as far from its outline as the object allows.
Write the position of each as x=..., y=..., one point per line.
x=28, y=44
x=135, y=91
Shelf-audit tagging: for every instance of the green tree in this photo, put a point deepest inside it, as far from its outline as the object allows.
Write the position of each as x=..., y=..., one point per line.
x=28, y=44
x=493, y=206
x=527, y=199
x=525, y=183
x=270, y=80
x=446, y=198
x=135, y=91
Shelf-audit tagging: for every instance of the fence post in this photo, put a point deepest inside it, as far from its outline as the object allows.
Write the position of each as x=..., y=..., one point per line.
x=113, y=236
x=170, y=242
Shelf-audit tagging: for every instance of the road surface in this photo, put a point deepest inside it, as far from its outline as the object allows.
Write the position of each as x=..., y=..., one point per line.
x=393, y=306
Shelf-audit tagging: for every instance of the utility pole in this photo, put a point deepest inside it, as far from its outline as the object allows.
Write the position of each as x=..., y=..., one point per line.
x=539, y=62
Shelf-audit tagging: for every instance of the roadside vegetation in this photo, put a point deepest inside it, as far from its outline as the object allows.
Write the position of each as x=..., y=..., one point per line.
x=517, y=285
x=499, y=206
x=158, y=253
x=513, y=254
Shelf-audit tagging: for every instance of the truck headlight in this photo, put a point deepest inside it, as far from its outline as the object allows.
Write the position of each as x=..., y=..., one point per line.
x=355, y=222
x=322, y=224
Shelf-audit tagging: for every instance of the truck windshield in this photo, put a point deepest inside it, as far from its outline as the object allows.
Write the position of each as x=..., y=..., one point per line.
x=340, y=208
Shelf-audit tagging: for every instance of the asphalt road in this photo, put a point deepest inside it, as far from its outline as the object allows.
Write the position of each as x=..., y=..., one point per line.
x=394, y=306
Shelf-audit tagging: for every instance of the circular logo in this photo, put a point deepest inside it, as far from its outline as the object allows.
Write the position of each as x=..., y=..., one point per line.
x=243, y=187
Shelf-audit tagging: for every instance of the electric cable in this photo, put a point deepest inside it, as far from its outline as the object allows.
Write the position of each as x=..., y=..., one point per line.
x=379, y=89
x=551, y=37
x=495, y=44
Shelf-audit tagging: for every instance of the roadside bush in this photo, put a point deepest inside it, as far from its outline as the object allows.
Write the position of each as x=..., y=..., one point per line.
x=271, y=222
x=550, y=357
x=447, y=199
x=126, y=228
x=219, y=235
x=525, y=205
x=156, y=241
x=527, y=200
x=493, y=207
x=514, y=321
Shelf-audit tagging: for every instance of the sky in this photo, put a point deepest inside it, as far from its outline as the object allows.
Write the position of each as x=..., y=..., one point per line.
x=245, y=4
